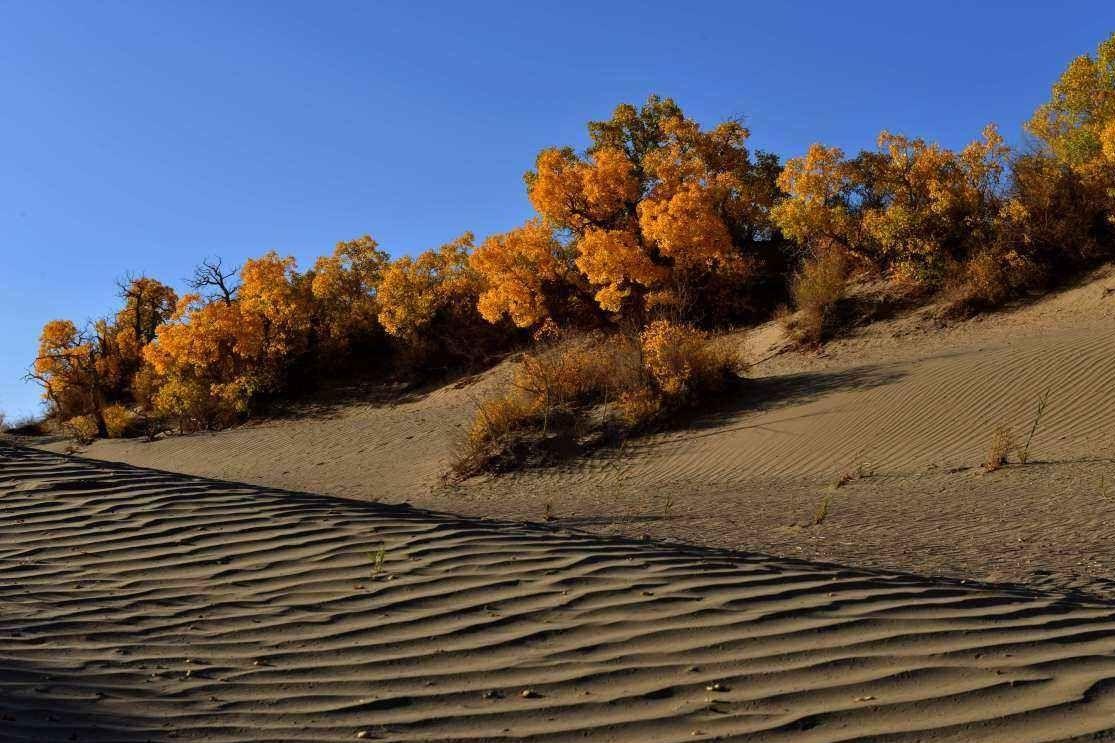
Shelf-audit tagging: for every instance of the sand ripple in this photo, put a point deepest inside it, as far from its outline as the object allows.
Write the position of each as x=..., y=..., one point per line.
x=139, y=605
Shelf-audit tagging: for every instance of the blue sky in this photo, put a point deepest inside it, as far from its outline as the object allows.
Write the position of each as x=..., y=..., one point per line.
x=143, y=136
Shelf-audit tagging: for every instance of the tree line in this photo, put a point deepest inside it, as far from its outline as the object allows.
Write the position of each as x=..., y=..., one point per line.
x=658, y=223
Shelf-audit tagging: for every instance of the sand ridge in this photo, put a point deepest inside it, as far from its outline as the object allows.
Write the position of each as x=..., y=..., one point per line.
x=140, y=605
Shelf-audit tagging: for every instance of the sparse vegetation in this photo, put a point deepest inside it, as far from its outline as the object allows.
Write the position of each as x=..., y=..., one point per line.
x=822, y=511
x=1002, y=443
x=860, y=471
x=377, y=557
x=1024, y=452
x=81, y=428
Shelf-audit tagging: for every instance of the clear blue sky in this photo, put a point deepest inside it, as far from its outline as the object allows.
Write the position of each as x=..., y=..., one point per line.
x=143, y=136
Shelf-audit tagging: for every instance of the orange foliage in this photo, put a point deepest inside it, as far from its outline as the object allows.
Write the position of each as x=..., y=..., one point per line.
x=527, y=274
x=650, y=213
x=344, y=287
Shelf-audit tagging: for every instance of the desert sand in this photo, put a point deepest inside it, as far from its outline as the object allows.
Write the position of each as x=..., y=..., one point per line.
x=883, y=430
x=141, y=605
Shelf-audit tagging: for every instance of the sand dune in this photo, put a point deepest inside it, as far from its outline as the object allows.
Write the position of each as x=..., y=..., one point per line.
x=911, y=404
x=140, y=605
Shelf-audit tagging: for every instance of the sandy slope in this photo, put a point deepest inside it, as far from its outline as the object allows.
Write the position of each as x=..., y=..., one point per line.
x=911, y=404
x=139, y=605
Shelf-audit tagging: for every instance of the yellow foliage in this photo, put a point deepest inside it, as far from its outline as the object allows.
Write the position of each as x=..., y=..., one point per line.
x=1074, y=123
x=413, y=290
x=611, y=381
x=650, y=211
x=344, y=287
x=118, y=421
x=612, y=260
x=682, y=361
x=907, y=208
x=522, y=270
x=81, y=428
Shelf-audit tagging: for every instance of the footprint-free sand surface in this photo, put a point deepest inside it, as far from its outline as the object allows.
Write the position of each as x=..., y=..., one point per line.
x=139, y=605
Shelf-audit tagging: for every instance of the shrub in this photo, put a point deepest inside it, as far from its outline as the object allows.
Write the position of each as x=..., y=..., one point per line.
x=683, y=362
x=81, y=428
x=584, y=390
x=119, y=421
x=817, y=290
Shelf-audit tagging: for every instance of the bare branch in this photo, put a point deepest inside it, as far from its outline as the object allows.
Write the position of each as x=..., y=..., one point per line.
x=212, y=276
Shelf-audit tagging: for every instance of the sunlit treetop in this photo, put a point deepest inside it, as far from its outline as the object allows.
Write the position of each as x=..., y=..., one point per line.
x=1074, y=123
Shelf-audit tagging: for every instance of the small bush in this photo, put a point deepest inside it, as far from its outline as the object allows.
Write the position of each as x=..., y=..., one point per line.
x=119, y=421
x=81, y=428
x=817, y=290
x=586, y=389
x=986, y=280
x=1001, y=445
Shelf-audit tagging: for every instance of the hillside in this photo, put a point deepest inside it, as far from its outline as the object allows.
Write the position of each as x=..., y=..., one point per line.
x=883, y=430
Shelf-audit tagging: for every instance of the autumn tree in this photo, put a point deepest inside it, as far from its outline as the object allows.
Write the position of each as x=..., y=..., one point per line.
x=1076, y=127
x=215, y=355
x=148, y=303
x=344, y=287
x=73, y=367
x=213, y=280
x=909, y=207
x=1077, y=124
x=428, y=305
x=656, y=212
x=529, y=276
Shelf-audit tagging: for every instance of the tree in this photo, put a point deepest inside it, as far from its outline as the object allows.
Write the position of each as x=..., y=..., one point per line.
x=1076, y=122
x=213, y=278
x=907, y=208
x=528, y=276
x=655, y=211
x=1077, y=125
x=344, y=287
x=148, y=304
x=428, y=304
x=72, y=367
x=215, y=355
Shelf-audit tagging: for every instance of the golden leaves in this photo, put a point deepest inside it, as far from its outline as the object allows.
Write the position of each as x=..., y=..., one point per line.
x=516, y=266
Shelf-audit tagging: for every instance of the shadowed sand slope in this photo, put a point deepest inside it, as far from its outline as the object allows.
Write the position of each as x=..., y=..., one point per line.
x=139, y=605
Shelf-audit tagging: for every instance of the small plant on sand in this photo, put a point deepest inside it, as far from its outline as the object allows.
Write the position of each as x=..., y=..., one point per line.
x=822, y=511
x=1024, y=452
x=547, y=511
x=667, y=507
x=859, y=472
x=377, y=557
x=1001, y=445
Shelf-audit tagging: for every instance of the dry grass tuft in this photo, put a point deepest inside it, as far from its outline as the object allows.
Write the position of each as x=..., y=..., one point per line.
x=822, y=511
x=1024, y=452
x=1001, y=445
